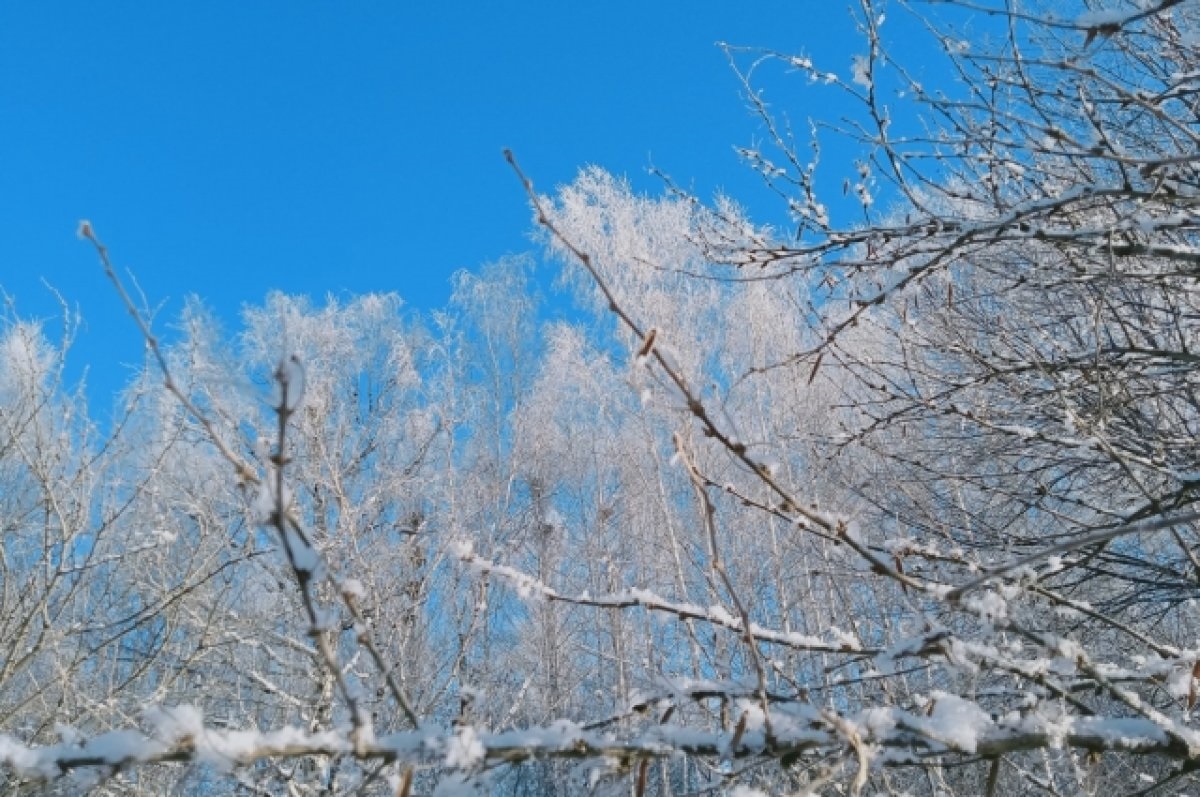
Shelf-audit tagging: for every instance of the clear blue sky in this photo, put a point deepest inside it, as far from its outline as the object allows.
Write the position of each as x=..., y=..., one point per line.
x=226, y=149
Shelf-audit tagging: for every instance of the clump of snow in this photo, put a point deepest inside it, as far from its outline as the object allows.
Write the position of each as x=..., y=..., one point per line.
x=1070, y=649
x=119, y=747
x=172, y=723
x=304, y=557
x=291, y=378
x=266, y=502
x=721, y=615
x=24, y=760
x=864, y=194
x=990, y=607
x=846, y=640
x=464, y=749
x=959, y=655
x=957, y=722
x=860, y=71
x=69, y=735
x=879, y=722
x=230, y=748
x=1129, y=733
x=363, y=733
x=1179, y=680
x=746, y=791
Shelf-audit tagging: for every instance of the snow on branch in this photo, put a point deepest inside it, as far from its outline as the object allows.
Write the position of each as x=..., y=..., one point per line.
x=529, y=587
x=948, y=725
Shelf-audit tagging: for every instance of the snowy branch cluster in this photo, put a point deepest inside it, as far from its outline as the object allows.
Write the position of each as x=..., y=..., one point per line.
x=897, y=503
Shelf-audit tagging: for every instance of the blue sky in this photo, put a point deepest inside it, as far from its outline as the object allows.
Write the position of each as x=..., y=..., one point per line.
x=227, y=149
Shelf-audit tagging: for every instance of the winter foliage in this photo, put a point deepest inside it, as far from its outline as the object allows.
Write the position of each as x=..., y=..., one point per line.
x=898, y=503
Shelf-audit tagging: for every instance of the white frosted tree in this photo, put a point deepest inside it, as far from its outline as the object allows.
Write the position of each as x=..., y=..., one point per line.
x=897, y=503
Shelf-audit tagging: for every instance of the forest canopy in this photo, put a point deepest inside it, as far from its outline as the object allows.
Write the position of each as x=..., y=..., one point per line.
x=897, y=503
